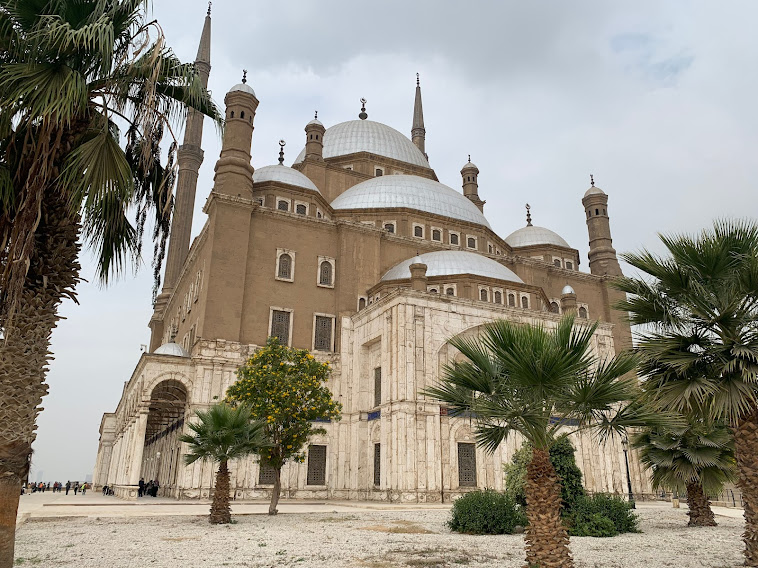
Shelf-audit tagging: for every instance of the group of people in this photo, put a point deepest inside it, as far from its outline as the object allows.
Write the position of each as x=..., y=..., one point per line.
x=149, y=488
x=57, y=486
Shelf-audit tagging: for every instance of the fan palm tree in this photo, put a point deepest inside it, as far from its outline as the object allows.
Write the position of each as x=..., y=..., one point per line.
x=528, y=380
x=699, y=345
x=698, y=459
x=71, y=73
x=223, y=433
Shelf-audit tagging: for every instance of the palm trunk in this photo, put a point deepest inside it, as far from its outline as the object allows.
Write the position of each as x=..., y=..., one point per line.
x=24, y=351
x=546, y=537
x=275, y=492
x=700, y=511
x=746, y=452
x=221, y=514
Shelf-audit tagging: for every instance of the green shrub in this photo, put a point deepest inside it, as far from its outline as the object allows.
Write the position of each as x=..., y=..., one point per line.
x=486, y=512
x=583, y=519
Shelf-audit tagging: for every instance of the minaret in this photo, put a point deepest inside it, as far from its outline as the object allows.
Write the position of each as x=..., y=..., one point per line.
x=314, y=139
x=602, y=255
x=418, y=132
x=189, y=157
x=234, y=173
x=469, y=173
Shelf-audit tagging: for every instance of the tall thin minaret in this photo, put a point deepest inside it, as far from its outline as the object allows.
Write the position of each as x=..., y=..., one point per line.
x=602, y=255
x=418, y=132
x=189, y=158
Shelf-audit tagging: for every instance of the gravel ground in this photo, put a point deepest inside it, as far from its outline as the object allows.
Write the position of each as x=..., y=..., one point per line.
x=385, y=539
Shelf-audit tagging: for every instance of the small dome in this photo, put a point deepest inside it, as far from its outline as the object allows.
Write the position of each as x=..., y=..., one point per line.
x=567, y=290
x=469, y=166
x=593, y=190
x=283, y=174
x=410, y=192
x=315, y=121
x=244, y=87
x=171, y=349
x=450, y=263
x=533, y=235
x=369, y=136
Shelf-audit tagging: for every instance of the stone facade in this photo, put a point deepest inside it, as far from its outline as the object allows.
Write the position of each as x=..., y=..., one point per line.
x=279, y=256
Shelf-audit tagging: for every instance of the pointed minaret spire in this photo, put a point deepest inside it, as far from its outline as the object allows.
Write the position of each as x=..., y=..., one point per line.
x=189, y=159
x=418, y=132
x=528, y=215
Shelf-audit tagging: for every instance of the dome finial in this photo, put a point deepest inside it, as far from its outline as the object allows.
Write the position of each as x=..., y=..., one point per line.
x=244, y=75
x=282, y=143
x=418, y=82
x=528, y=215
x=315, y=116
x=363, y=115
x=469, y=158
x=209, y=8
x=592, y=180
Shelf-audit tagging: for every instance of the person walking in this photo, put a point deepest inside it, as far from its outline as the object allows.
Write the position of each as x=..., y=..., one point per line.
x=76, y=487
x=141, y=490
x=84, y=488
x=68, y=486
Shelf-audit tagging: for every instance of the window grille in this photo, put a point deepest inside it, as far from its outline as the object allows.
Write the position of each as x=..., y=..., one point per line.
x=583, y=312
x=524, y=302
x=450, y=292
x=285, y=266
x=471, y=242
x=557, y=262
x=389, y=227
x=483, y=295
x=266, y=474
x=453, y=239
x=283, y=206
x=316, y=465
x=512, y=300
x=570, y=265
x=377, y=386
x=325, y=273
x=301, y=209
x=554, y=309
x=378, y=172
x=436, y=235
x=377, y=464
x=418, y=231
x=323, y=339
x=466, y=465
x=498, y=297
x=280, y=326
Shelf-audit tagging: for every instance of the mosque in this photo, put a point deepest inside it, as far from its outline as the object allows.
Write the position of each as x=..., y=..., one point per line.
x=359, y=253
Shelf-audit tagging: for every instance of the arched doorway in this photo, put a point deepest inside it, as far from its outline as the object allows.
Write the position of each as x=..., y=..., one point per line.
x=161, y=457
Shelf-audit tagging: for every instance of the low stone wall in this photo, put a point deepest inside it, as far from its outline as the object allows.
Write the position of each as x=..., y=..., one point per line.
x=126, y=492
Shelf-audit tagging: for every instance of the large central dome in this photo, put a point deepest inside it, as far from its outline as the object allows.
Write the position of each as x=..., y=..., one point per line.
x=369, y=136
x=453, y=263
x=410, y=192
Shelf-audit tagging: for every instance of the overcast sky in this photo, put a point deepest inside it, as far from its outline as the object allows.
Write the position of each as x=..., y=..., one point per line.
x=656, y=99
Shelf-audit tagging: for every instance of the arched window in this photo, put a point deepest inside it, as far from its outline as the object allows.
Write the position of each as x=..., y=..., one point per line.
x=489, y=248
x=524, y=302
x=512, y=300
x=557, y=262
x=378, y=172
x=301, y=209
x=232, y=114
x=453, y=239
x=283, y=205
x=433, y=290
x=316, y=136
x=471, y=242
x=436, y=235
x=389, y=227
x=418, y=231
x=285, y=266
x=325, y=274
x=570, y=265
x=554, y=309
x=483, y=295
x=450, y=292
x=597, y=212
x=361, y=303
x=604, y=213
x=498, y=297
x=583, y=312
x=242, y=114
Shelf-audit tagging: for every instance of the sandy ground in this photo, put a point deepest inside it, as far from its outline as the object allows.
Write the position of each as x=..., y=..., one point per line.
x=357, y=538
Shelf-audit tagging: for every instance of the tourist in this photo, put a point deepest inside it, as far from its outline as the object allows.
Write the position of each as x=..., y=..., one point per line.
x=84, y=488
x=76, y=487
x=156, y=486
x=68, y=486
x=141, y=490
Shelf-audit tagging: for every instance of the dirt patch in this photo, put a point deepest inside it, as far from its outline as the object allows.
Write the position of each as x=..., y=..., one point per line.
x=398, y=527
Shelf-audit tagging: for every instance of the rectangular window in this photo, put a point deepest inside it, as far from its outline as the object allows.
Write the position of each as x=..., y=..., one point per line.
x=377, y=386
x=323, y=334
x=377, y=464
x=266, y=474
x=466, y=465
x=280, y=326
x=316, y=465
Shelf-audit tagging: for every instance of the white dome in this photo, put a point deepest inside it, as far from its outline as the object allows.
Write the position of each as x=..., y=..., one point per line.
x=411, y=192
x=244, y=87
x=283, y=174
x=171, y=349
x=532, y=235
x=453, y=262
x=567, y=290
x=593, y=191
x=369, y=136
x=315, y=121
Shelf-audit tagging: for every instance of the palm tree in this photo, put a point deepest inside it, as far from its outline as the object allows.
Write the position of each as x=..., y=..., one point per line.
x=699, y=345
x=222, y=433
x=698, y=459
x=71, y=73
x=536, y=382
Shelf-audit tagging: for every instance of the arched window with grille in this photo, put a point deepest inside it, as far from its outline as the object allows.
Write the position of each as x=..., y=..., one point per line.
x=283, y=205
x=583, y=312
x=454, y=238
x=389, y=227
x=483, y=295
x=554, y=309
x=512, y=300
x=436, y=235
x=301, y=209
x=418, y=231
x=471, y=242
x=524, y=302
x=325, y=276
x=285, y=267
x=450, y=292
x=557, y=262
x=498, y=297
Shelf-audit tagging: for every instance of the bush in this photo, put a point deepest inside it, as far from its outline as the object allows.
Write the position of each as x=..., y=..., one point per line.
x=584, y=519
x=486, y=512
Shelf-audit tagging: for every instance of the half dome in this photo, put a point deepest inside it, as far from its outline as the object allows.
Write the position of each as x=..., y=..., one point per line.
x=171, y=349
x=453, y=263
x=369, y=136
x=533, y=235
x=283, y=174
x=410, y=192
